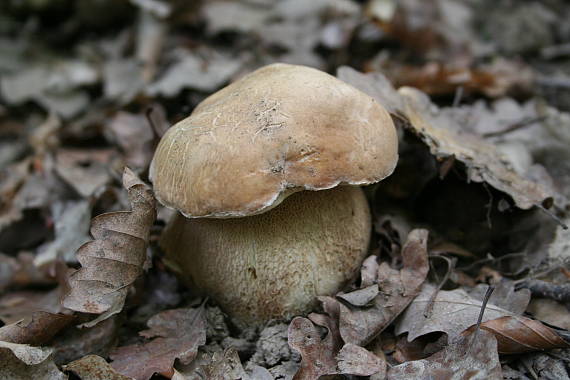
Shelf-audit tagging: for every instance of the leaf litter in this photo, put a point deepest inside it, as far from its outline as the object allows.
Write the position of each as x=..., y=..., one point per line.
x=77, y=91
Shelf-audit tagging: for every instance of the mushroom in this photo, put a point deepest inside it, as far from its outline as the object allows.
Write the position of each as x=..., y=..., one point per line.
x=266, y=174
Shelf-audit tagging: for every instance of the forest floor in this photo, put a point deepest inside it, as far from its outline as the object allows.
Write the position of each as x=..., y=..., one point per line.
x=468, y=268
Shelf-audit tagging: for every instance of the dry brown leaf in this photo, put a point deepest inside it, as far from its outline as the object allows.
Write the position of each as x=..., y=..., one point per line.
x=452, y=312
x=19, y=304
x=519, y=334
x=456, y=312
x=328, y=356
x=318, y=355
x=134, y=135
x=358, y=361
x=39, y=329
x=483, y=161
x=178, y=333
x=359, y=325
x=93, y=367
x=468, y=358
x=12, y=178
x=23, y=362
x=112, y=262
x=84, y=170
x=225, y=366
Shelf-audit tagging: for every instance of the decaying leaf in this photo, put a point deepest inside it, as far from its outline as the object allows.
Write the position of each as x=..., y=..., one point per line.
x=113, y=261
x=456, y=312
x=452, y=312
x=38, y=330
x=471, y=357
x=93, y=367
x=328, y=356
x=520, y=334
x=225, y=366
x=177, y=335
x=483, y=161
x=358, y=361
x=23, y=362
x=11, y=179
x=360, y=324
x=84, y=170
x=318, y=355
x=134, y=135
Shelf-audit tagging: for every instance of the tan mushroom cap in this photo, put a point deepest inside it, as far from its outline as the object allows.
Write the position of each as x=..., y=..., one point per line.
x=281, y=129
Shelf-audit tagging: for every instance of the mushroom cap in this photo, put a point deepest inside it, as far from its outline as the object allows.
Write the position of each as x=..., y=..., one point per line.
x=281, y=129
x=273, y=265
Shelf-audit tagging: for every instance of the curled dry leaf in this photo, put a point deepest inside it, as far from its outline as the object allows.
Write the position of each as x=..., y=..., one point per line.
x=520, y=334
x=113, y=261
x=93, y=367
x=178, y=333
x=38, y=330
x=483, y=161
x=359, y=325
x=471, y=357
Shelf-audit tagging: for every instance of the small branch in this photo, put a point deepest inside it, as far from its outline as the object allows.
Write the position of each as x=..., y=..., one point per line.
x=488, y=293
x=543, y=289
x=450, y=266
x=516, y=126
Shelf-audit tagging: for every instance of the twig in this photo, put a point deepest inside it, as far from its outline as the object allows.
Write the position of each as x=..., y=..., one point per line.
x=543, y=289
x=518, y=125
x=458, y=96
x=491, y=259
x=488, y=293
x=553, y=216
x=450, y=266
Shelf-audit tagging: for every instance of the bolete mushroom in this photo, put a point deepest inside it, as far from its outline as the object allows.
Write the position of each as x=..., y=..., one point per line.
x=266, y=173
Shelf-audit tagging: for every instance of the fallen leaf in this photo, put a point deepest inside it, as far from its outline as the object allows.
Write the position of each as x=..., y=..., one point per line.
x=484, y=162
x=93, y=367
x=206, y=74
x=84, y=170
x=27, y=354
x=453, y=311
x=225, y=366
x=39, y=329
x=19, y=304
x=549, y=311
x=358, y=361
x=75, y=343
x=12, y=179
x=177, y=335
x=113, y=261
x=23, y=362
x=359, y=325
x=328, y=356
x=133, y=133
x=72, y=221
x=318, y=355
x=520, y=334
x=472, y=357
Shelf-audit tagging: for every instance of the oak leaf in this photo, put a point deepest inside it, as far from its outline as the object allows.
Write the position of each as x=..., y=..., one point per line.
x=177, y=334
x=112, y=262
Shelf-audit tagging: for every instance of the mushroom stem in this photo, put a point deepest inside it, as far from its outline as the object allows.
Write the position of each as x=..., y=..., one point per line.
x=273, y=265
